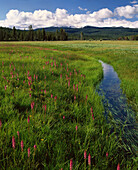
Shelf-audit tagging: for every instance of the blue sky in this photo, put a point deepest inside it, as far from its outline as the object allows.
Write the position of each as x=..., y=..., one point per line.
x=74, y=13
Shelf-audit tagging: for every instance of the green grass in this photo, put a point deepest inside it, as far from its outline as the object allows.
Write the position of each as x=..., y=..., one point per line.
x=53, y=130
x=122, y=55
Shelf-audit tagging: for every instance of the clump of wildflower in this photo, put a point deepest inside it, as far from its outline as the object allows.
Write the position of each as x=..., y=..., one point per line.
x=28, y=152
x=89, y=159
x=13, y=142
x=22, y=145
x=71, y=164
x=85, y=154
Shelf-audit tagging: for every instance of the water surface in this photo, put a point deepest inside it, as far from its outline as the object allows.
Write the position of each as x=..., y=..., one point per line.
x=115, y=102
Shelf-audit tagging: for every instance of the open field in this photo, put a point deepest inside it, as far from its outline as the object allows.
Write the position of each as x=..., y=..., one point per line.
x=50, y=114
x=122, y=55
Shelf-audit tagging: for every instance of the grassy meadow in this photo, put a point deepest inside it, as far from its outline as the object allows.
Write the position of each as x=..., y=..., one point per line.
x=50, y=115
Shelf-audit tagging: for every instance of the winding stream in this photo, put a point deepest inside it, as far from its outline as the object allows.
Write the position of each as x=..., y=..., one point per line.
x=115, y=102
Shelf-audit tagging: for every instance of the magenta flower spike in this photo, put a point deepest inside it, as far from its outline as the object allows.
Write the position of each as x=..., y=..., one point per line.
x=61, y=76
x=76, y=127
x=74, y=97
x=118, y=166
x=89, y=159
x=13, y=142
x=32, y=105
x=28, y=119
x=5, y=87
x=44, y=106
x=51, y=95
x=45, y=91
x=63, y=117
x=107, y=154
x=28, y=152
x=86, y=97
x=85, y=154
x=71, y=164
x=22, y=145
x=35, y=147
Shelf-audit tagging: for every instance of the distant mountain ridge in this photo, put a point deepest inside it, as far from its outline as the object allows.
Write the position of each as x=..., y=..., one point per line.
x=91, y=32
x=96, y=32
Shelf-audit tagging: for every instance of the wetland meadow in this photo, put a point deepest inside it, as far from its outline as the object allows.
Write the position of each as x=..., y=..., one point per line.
x=51, y=114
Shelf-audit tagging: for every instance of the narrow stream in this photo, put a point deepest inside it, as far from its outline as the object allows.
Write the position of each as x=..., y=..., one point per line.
x=115, y=102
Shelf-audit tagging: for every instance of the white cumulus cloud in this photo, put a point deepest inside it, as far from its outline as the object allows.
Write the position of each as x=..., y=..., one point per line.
x=44, y=18
x=133, y=2
x=127, y=11
x=82, y=9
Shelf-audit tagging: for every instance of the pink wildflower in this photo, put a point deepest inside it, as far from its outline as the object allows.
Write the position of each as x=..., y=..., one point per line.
x=35, y=147
x=86, y=97
x=22, y=145
x=13, y=142
x=63, y=117
x=32, y=105
x=74, y=97
x=28, y=119
x=44, y=106
x=118, y=166
x=85, y=154
x=76, y=127
x=28, y=152
x=55, y=98
x=71, y=164
x=51, y=95
x=5, y=87
x=106, y=154
x=89, y=159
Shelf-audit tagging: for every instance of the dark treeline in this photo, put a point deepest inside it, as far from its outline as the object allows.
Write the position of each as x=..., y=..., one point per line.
x=132, y=38
x=7, y=34
x=67, y=33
